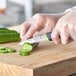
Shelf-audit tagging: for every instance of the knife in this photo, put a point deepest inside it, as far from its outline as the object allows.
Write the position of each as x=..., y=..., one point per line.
x=44, y=37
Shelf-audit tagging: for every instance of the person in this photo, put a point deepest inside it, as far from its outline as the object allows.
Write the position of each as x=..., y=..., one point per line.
x=62, y=26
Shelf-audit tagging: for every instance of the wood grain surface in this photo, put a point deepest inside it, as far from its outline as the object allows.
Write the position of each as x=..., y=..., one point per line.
x=47, y=59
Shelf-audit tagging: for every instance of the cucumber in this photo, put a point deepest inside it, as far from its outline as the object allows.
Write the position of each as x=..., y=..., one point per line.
x=7, y=35
x=7, y=50
x=10, y=37
x=27, y=48
x=3, y=50
x=4, y=29
x=10, y=50
x=23, y=53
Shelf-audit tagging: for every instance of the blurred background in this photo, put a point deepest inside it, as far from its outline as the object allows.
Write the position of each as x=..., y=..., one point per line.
x=14, y=12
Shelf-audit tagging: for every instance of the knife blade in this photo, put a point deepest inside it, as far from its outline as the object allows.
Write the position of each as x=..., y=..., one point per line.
x=44, y=37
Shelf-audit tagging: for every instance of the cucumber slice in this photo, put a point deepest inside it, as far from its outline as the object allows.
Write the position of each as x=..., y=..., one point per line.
x=24, y=53
x=10, y=50
x=3, y=50
x=6, y=50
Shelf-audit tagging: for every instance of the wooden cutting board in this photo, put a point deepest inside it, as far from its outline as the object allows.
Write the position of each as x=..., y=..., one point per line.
x=47, y=59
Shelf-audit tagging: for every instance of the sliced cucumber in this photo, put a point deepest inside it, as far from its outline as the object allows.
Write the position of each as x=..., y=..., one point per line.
x=3, y=50
x=10, y=50
x=24, y=53
x=27, y=48
x=6, y=50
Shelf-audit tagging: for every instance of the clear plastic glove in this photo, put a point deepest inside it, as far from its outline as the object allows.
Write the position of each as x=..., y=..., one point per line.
x=65, y=29
x=38, y=24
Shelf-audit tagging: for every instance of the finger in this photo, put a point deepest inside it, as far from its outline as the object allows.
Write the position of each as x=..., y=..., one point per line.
x=43, y=31
x=72, y=31
x=39, y=33
x=64, y=35
x=36, y=34
x=55, y=36
x=24, y=27
x=30, y=32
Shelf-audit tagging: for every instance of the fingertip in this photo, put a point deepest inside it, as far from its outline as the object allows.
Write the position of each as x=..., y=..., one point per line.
x=56, y=41
x=30, y=33
x=24, y=28
x=64, y=38
x=64, y=42
x=21, y=36
x=55, y=36
x=22, y=33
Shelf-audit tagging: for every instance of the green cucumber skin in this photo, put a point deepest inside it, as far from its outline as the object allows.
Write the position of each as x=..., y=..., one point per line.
x=7, y=35
x=4, y=29
x=31, y=44
x=4, y=51
x=9, y=38
x=25, y=52
x=10, y=50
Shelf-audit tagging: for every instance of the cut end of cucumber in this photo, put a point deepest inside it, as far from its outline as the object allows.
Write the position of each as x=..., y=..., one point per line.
x=27, y=47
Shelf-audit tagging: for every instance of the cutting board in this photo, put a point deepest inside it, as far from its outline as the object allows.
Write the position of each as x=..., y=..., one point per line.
x=47, y=59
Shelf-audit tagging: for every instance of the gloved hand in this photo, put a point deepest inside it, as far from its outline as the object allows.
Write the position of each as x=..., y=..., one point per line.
x=38, y=24
x=65, y=29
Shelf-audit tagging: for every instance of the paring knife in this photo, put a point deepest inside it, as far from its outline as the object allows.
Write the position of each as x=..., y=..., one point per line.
x=43, y=37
